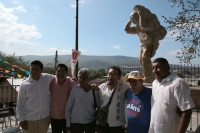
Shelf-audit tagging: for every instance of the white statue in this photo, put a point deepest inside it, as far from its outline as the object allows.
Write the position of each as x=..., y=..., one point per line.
x=150, y=32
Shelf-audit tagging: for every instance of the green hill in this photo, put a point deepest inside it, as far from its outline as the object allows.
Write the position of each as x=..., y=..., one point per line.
x=92, y=62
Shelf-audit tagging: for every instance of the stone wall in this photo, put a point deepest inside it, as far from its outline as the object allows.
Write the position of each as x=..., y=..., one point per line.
x=195, y=94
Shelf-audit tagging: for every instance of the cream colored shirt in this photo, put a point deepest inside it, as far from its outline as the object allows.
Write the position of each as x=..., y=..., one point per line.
x=105, y=94
x=166, y=96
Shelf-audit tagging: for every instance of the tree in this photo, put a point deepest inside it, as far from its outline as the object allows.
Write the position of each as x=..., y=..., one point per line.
x=185, y=26
x=101, y=72
x=97, y=74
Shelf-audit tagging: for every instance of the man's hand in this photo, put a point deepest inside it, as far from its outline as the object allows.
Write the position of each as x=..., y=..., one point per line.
x=24, y=125
x=73, y=79
x=68, y=129
x=95, y=87
x=178, y=111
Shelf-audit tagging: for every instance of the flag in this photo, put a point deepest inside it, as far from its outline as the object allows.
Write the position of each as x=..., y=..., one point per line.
x=74, y=59
x=6, y=62
x=22, y=69
x=7, y=71
x=27, y=72
x=12, y=73
x=19, y=76
x=15, y=66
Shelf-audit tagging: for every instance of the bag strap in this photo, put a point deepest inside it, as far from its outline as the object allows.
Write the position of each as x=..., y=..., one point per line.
x=111, y=96
x=95, y=102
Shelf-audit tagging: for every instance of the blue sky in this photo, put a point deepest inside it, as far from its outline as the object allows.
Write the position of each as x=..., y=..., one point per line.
x=32, y=27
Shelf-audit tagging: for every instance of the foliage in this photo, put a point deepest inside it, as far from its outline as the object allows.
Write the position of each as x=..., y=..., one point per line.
x=185, y=26
x=97, y=74
x=49, y=70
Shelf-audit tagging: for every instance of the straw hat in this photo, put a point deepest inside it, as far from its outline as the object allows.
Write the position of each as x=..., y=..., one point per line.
x=134, y=75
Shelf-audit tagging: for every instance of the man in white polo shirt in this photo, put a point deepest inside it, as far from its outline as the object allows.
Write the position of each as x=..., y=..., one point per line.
x=168, y=92
x=33, y=107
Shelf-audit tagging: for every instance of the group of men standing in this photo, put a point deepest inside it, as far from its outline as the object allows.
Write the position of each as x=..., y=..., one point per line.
x=164, y=108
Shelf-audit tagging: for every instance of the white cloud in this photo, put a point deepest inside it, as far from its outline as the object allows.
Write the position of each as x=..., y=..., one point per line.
x=65, y=51
x=73, y=5
x=13, y=32
x=20, y=8
x=16, y=2
x=83, y=51
x=173, y=52
x=5, y=10
x=9, y=44
x=81, y=2
x=84, y=1
x=52, y=49
x=116, y=47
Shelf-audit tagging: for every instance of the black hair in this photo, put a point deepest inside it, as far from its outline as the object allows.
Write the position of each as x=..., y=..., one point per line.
x=37, y=62
x=62, y=65
x=117, y=69
x=162, y=61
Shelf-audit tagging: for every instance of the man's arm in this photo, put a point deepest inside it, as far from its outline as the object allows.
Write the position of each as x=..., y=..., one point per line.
x=68, y=110
x=130, y=30
x=21, y=108
x=185, y=120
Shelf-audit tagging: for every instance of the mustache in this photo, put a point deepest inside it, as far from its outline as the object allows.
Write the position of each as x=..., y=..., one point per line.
x=132, y=87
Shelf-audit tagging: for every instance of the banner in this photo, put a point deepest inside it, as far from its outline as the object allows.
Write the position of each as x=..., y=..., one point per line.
x=8, y=73
x=74, y=59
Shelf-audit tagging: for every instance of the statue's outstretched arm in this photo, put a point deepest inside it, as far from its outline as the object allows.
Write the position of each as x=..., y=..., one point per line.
x=129, y=29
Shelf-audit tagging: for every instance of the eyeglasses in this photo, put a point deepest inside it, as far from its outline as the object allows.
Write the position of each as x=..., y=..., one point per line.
x=112, y=74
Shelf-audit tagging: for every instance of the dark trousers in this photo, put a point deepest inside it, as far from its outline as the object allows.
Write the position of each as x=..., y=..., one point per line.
x=107, y=129
x=58, y=126
x=83, y=128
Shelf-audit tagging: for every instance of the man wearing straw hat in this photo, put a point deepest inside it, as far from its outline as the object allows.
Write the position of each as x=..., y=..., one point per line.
x=138, y=108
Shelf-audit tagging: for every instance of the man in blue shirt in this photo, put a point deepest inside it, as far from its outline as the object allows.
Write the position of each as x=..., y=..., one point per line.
x=138, y=108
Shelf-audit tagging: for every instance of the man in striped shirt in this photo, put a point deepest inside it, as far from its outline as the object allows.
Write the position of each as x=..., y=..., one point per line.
x=80, y=108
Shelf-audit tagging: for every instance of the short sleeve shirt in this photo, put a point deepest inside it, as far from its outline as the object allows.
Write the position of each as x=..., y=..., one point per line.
x=166, y=96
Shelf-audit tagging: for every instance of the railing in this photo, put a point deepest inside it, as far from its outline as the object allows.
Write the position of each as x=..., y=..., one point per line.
x=190, y=73
x=8, y=93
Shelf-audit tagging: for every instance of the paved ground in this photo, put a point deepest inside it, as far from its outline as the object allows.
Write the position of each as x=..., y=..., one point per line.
x=195, y=121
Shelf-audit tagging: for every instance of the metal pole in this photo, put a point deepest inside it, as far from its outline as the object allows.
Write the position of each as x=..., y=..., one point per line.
x=76, y=70
x=56, y=60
